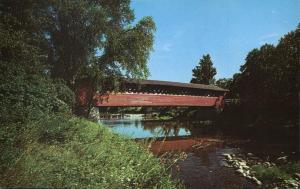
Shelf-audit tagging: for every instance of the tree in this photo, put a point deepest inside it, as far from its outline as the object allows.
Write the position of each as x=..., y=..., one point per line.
x=96, y=39
x=83, y=39
x=47, y=46
x=255, y=81
x=268, y=82
x=26, y=91
x=204, y=73
x=224, y=83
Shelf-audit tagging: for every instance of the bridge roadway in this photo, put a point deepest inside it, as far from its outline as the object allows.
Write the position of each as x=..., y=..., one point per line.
x=161, y=93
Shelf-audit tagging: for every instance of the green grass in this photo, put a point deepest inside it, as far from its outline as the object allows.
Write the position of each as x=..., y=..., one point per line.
x=271, y=174
x=292, y=168
x=76, y=153
x=276, y=173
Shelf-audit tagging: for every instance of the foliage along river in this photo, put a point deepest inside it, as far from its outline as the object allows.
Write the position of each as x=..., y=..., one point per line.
x=203, y=144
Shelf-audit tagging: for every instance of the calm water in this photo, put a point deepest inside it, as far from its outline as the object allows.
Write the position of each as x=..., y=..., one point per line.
x=203, y=143
x=140, y=129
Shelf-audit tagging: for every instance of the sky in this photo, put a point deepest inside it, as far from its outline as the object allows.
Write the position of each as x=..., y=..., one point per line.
x=226, y=29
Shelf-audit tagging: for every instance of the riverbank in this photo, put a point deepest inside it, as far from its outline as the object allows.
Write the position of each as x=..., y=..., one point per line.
x=282, y=172
x=62, y=152
x=217, y=162
x=203, y=145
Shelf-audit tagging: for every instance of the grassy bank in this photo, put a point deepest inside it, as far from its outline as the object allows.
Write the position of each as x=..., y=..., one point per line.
x=284, y=176
x=75, y=153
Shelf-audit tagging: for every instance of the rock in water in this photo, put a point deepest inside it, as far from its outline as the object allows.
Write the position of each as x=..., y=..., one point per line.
x=250, y=154
x=282, y=158
x=258, y=182
x=227, y=156
x=240, y=171
x=268, y=164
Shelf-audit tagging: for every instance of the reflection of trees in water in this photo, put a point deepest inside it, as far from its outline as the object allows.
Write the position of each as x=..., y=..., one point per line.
x=173, y=128
x=169, y=128
x=164, y=128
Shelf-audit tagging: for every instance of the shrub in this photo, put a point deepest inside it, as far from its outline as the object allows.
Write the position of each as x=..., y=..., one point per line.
x=271, y=174
x=292, y=168
x=75, y=153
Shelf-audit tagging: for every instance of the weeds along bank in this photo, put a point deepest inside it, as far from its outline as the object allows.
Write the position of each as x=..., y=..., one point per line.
x=64, y=151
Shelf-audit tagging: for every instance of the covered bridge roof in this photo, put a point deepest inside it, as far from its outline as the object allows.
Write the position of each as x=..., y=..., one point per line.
x=175, y=84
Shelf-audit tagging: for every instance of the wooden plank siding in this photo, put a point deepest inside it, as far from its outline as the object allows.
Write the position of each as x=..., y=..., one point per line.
x=140, y=99
x=154, y=93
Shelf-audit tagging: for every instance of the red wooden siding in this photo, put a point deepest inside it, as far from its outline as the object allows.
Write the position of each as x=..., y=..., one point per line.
x=140, y=99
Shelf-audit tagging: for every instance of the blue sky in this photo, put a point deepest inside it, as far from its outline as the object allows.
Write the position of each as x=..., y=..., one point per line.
x=226, y=29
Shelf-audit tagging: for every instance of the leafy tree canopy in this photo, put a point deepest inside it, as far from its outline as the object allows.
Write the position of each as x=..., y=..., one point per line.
x=268, y=82
x=96, y=39
x=271, y=72
x=72, y=40
x=224, y=83
x=78, y=36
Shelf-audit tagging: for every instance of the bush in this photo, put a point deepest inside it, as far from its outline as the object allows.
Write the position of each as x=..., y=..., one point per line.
x=30, y=97
x=64, y=93
x=26, y=91
x=270, y=174
x=292, y=168
x=75, y=153
x=25, y=99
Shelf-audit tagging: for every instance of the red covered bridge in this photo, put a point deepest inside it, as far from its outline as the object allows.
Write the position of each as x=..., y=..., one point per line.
x=159, y=93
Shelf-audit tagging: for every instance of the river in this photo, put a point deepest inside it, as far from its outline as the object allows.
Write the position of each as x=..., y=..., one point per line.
x=203, y=144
